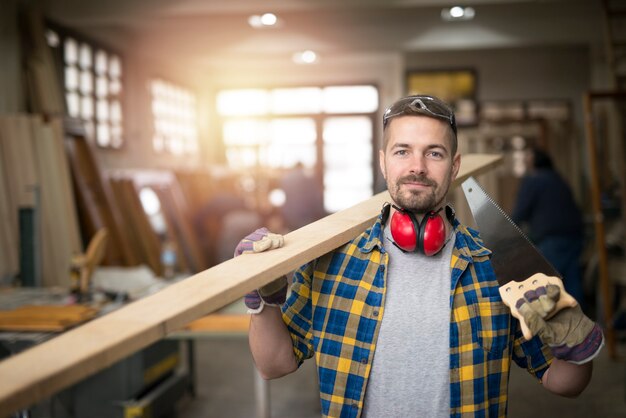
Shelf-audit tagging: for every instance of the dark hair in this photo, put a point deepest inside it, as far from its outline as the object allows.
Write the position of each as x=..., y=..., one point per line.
x=541, y=159
x=422, y=105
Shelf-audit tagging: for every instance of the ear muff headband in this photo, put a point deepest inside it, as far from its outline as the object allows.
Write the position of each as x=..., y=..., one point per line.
x=410, y=236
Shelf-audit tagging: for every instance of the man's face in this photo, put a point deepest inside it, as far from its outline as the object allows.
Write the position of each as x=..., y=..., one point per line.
x=417, y=164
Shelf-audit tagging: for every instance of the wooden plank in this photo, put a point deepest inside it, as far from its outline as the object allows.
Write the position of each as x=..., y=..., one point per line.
x=136, y=253
x=46, y=89
x=20, y=182
x=175, y=210
x=218, y=323
x=51, y=318
x=9, y=258
x=59, y=224
x=45, y=369
x=95, y=200
x=139, y=224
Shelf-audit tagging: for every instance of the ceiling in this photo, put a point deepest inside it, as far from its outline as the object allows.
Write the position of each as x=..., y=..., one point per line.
x=204, y=32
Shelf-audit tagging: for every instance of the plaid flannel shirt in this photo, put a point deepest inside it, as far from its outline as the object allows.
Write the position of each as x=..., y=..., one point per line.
x=334, y=313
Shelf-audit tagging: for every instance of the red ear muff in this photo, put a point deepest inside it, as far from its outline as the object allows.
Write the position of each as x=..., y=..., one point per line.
x=408, y=235
x=434, y=234
x=403, y=230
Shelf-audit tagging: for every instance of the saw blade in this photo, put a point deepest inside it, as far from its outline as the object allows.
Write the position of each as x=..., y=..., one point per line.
x=514, y=257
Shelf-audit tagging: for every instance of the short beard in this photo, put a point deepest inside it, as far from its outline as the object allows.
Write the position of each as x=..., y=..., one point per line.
x=418, y=202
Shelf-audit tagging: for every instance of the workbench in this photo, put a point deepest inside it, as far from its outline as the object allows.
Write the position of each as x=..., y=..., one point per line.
x=146, y=383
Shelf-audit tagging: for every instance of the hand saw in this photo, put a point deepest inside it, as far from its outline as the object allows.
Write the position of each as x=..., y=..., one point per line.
x=514, y=257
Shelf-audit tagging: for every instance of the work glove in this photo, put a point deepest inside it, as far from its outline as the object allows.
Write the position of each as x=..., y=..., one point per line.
x=273, y=293
x=571, y=335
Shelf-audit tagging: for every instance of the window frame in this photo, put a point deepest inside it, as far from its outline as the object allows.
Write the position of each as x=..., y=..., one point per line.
x=186, y=89
x=59, y=52
x=319, y=123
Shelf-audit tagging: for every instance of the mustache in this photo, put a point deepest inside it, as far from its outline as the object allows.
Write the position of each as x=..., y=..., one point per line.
x=414, y=178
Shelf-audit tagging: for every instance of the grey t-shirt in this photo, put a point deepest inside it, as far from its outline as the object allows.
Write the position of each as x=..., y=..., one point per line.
x=410, y=374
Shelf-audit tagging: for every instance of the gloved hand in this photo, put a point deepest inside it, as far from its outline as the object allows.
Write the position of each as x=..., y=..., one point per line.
x=258, y=241
x=275, y=292
x=571, y=335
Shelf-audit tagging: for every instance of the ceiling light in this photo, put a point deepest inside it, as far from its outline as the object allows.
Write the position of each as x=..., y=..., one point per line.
x=269, y=19
x=458, y=13
x=266, y=20
x=305, y=57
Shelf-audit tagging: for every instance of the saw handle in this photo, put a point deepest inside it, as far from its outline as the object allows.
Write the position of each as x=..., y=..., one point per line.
x=513, y=291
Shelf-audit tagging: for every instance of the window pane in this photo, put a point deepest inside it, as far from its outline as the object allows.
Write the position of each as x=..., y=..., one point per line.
x=245, y=132
x=336, y=200
x=103, y=135
x=102, y=87
x=350, y=99
x=348, y=174
x=86, y=82
x=70, y=51
x=291, y=141
x=85, y=56
x=174, y=117
x=116, y=111
x=115, y=67
x=102, y=110
x=242, y=102
x=101, y=62
x=239, y=158
x=73, y=104
x=71, y=78
x=297, y=100
x=86, y=107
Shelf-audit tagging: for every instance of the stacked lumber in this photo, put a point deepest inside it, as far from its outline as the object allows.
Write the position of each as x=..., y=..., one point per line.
x=95, y=201
x=175, y=212
x=45, y=318
x=18, y=183
x=59, y=223
x=35, y=175
x=143, y=241
x=8, y=226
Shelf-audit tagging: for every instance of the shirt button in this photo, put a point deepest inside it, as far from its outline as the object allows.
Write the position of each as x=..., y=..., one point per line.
x=375, y=313
x=381, y=268
x=364, y=360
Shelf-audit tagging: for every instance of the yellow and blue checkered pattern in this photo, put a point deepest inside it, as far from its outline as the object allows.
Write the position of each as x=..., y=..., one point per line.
x=335, y=309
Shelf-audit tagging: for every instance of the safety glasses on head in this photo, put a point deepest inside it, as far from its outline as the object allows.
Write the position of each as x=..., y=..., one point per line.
x=422, y=105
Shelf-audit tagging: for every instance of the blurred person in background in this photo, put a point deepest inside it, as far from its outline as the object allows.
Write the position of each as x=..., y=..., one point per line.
x=546, y=206
x=303, y=198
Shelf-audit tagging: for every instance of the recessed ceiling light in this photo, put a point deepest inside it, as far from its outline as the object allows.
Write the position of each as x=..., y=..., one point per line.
x=266, y=20
x=305, y=57
x=458, y=13
x=269, y=19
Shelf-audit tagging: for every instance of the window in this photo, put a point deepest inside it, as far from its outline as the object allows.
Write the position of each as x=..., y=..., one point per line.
x=326, y=128
x=174, y=119
x=92, y=77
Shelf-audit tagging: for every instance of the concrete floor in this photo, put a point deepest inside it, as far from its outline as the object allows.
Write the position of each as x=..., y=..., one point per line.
x=225, y=388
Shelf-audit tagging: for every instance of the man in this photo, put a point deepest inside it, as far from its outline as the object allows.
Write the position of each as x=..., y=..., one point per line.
x=546, y=204
x=399, y=333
